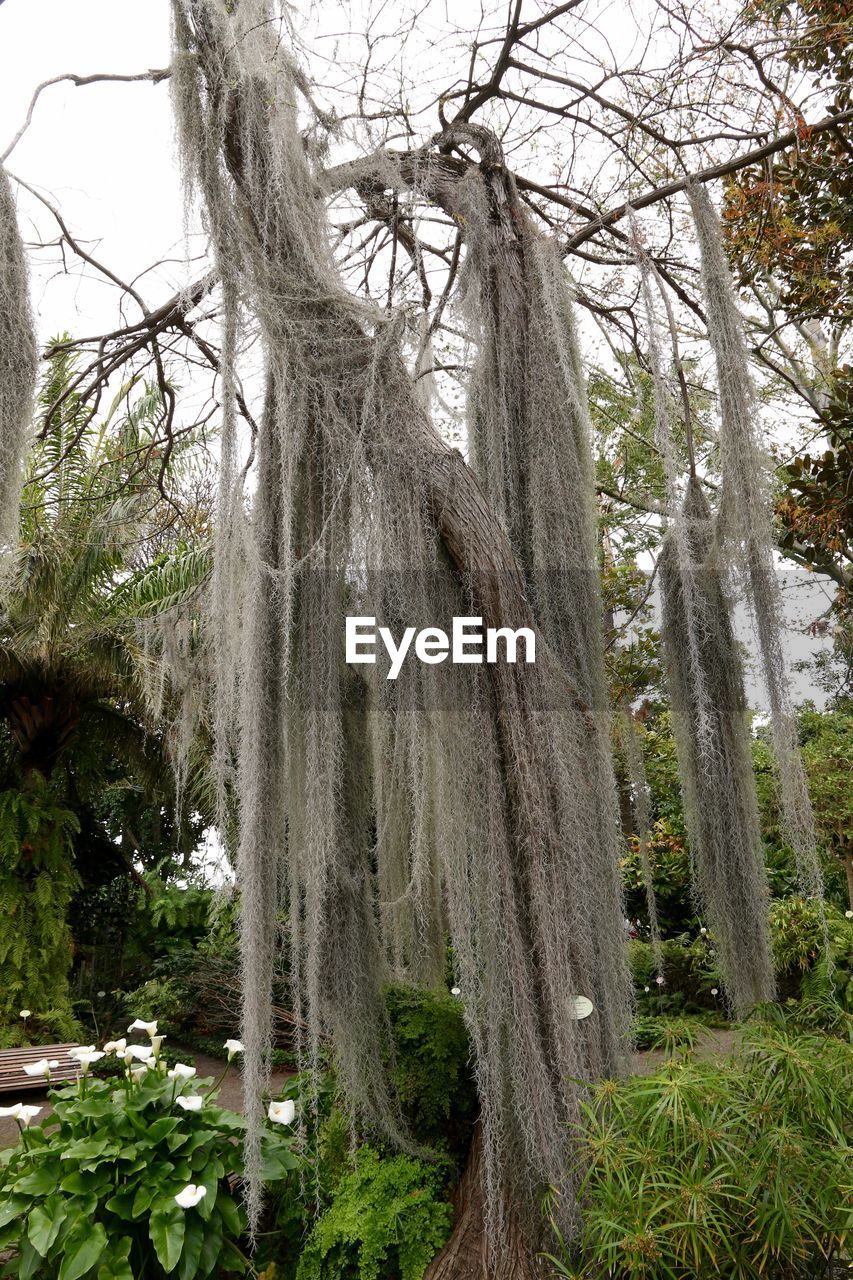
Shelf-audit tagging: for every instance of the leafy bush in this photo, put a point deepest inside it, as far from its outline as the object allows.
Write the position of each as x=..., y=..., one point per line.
x=37, y=879
x=739, y=1169
x=690, y=976
x=669, y=859
x=93, y=1190
x=432, y=1066
x=387, y=1219
x=805, y=971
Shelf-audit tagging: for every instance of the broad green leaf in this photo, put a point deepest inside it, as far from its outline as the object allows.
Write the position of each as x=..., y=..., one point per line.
x=232, y=1219
x=146, y=1193
x=39, y=1183
x=122, y=1204
x=83, y=1181
x=29, y=1261
x=193, y=1242
x=166, y=1229
x=212, y=1245
x=13, y=1208
x=44, y=1223
x=90, y=1149
x=84, y=1247
x=116, y=1265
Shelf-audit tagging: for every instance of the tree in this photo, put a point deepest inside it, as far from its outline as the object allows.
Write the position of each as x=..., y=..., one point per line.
x=97, y=552
x=348, y=463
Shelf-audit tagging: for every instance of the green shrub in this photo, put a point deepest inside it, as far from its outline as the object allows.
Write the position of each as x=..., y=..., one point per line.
x=690, y=976
x=91, y=1191
x=387, y=1219
x=432, y=1066
x=37, y=879
x=738, y=1169
x=805, y=971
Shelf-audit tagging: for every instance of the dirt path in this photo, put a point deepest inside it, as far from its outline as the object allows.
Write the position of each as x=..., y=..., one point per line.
x=230, y=1094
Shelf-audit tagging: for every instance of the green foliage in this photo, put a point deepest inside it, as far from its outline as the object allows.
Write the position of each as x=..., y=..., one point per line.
x=739, y=1169
x=432, y=1066
x=92, y=1191
x=690, y=976
x=669, y=859
x=799, y=953
x=37, y=880
x=387, y=1219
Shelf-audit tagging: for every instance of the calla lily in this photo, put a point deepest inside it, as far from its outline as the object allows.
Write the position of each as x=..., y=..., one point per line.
x=14, y=1111
x=190, y=1196
x=232, y=1047
x=41, y=1068
x=180, y=1071
x=139, y=1073
x=156, y=1041
x=150, y=1028
x=142, y=1052
x=191, y=1103
x=117, y=1047
x=86, y=1059
x=282, y=1112
x=26, y=1114
x=81, y=1051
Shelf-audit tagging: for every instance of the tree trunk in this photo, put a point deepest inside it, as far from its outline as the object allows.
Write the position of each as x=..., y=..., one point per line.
x=848, y=867
x=465, y=1256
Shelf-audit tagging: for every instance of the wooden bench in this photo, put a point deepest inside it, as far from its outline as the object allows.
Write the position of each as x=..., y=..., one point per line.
x=13, y=1077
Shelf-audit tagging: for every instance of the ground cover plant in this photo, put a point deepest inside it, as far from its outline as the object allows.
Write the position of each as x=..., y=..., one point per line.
x=735, y=1168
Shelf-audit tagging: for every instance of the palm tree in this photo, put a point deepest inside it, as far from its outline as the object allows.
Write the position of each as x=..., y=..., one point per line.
x=103, y=544
x=113, y=530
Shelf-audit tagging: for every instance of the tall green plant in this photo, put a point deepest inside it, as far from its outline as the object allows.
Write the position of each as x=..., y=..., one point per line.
x=739, y=1169
x=37, y=880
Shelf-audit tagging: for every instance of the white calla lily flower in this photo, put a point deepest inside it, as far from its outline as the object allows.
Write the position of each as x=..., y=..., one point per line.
x=86, y=1059
x=150, y=1028
x=138, y=1073
x=142, y=1052
x=232, y=1047
x=180, y=1071
x=81, y=1051
x=190, y=1196
x=156, y=1041
x=26, y=1114
x=40, y=1069
x=13, y=1111
x=282, y=1112
x=117, y=1047
x=191, y=1103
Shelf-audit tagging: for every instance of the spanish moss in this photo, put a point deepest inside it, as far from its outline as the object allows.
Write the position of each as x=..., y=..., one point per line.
x=377, y=813
x=18, y=364
x=716, y=770
x=746, y=529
